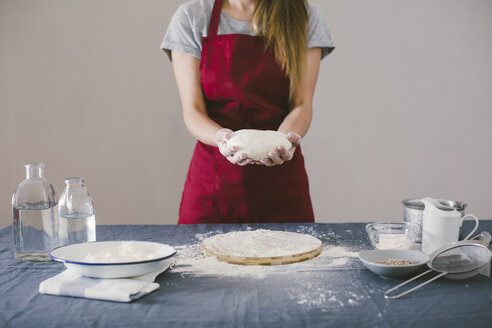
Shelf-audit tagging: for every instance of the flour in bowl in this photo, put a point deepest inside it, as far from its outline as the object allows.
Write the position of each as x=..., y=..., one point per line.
x=126, y=251
x=394, y=241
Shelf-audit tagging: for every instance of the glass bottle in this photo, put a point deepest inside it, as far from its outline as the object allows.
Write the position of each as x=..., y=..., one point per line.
x=76, y=213
x=35, y=216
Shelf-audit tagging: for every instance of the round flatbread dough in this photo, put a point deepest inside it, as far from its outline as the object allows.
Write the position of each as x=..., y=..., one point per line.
x=258, y=143
x=262, y=247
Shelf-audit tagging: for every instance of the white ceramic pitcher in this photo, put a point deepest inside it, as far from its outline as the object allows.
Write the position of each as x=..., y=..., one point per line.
x=441, y=225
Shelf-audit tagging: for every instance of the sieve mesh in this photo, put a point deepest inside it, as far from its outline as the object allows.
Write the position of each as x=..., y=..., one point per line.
x=460, y=259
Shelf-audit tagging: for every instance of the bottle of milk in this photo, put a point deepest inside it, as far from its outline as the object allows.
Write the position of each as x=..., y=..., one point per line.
x=76, y=213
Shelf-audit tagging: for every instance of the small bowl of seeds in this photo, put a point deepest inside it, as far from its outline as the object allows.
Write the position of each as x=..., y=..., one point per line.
x=394, y=263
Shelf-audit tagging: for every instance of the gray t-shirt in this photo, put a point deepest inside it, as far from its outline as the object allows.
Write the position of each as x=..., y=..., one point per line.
x=190, y=23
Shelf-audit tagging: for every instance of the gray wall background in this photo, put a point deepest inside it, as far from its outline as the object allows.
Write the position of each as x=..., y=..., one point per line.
x=402, y=107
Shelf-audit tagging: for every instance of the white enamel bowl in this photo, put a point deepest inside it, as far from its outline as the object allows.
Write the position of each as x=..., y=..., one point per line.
x=73, y=256
x=369, y=258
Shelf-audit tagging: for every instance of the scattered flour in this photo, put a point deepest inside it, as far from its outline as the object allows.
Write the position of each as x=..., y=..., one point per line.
x=339, y=261
x=317, y=295
x=318, y=298
x=191, y=260
x=339, y=251
x=352, y=302
x=306, y=290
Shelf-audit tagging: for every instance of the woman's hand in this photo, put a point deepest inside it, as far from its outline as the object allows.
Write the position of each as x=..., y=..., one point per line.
x=282, y=155
x=230, y=152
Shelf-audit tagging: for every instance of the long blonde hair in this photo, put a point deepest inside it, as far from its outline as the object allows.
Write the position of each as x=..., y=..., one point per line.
x=284, y=25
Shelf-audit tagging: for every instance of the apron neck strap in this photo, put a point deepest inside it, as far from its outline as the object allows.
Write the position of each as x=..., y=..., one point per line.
x=215, y=18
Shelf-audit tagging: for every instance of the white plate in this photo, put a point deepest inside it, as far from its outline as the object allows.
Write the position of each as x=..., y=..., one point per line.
x=73, y=256
x=393, y=271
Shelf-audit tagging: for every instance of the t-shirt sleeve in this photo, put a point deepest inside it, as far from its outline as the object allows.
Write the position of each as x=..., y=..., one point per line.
x=319, y=34
x=181, y=35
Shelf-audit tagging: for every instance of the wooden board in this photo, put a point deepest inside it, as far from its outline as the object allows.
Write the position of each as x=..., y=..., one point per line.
x=262, y=247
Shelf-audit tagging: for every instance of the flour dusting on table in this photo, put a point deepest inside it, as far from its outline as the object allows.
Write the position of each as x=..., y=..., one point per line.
x=339, y=251
x=190, y=260
x=308, y=279
x=312, y=282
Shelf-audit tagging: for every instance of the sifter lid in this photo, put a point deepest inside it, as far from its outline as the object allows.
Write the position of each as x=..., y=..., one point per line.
x=417, y=204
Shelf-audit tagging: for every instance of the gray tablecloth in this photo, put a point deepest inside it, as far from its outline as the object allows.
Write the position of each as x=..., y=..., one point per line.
x=329, y=292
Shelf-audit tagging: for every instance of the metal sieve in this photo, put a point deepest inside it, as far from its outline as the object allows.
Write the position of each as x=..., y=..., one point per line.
x=460, y=260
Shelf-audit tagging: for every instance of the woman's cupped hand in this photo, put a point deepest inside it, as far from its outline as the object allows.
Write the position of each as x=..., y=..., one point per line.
x=231, y=153
x=282, y=155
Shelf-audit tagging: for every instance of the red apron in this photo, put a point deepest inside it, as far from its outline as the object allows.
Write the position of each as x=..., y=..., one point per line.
x=244, y=88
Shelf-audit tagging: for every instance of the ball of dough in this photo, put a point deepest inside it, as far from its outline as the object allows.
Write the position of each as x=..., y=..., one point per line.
x=258, y=143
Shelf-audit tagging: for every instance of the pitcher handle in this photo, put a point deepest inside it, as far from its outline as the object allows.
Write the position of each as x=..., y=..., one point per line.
x=476, y=225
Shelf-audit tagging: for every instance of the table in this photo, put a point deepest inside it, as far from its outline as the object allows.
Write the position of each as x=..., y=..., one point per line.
x=322, y=292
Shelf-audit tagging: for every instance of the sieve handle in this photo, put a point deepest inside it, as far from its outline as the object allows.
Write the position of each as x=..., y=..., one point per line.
x=392, y=297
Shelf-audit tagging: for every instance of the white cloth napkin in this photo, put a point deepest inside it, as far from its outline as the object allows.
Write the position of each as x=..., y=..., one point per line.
x=72, y=284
